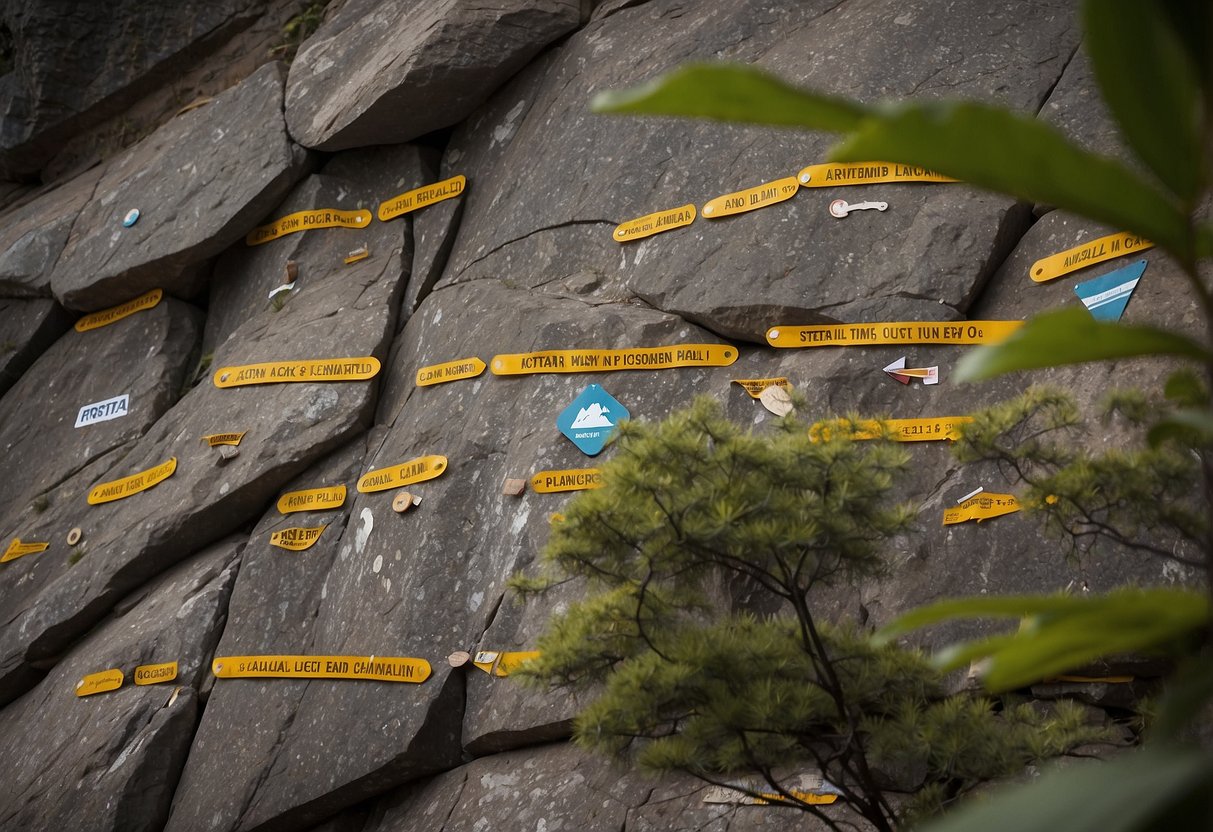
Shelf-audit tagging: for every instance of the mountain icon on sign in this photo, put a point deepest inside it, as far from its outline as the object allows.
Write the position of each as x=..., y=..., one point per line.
x=594, y=416
x=590, y=420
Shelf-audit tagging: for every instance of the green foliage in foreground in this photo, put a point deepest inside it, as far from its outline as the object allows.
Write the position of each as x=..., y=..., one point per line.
x=692, y=511
x=1154, y=65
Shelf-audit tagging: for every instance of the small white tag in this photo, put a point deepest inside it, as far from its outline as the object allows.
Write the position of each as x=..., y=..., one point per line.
x=96, y=412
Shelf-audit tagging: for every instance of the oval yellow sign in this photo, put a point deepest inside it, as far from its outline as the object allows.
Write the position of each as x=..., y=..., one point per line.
x=450, y=371
x=125, y=487
x=380, y=668
x=117, y=313
x=572, y=479
x=305, y=220
x=421, y=197
x=312, y=499
x=298, y=539
x=606, y=361
x=655, y=223
x=102, y=682
x=152, y=674
x=1087, y=254
x=751, y=199
x=406, y=473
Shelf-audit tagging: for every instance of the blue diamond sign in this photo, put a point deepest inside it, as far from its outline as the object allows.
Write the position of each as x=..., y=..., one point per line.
x=590, y=420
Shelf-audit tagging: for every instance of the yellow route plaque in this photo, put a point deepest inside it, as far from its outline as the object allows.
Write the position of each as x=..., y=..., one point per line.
x=275, y=372
x=214, y=440
x=831, y=174
x=901, y=430
x=306, y=220
x=1087, y=254
x=751, y=199
x=896, y=332
x=406, y=473
x=572, y=479
x=312, y=499
x=655, y=223
x=755, y=386
x=379, y=668
x=125, y=487
x=117, y=313
x=102, y=682
x=980, y=507
x=298, y=539
x=604, y=361
x=422, y=197
x=17, y=549
x=450, y=371
x=153, y=674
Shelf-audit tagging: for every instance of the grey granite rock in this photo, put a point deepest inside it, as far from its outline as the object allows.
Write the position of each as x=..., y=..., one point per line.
x=110, y=761
x=553, y=179
x=355, y=179
x=558, y=787
x=380, y=73
x=78, y=64
x=199, y=183
x=288, y=426
x=27, y=329
x=32, y=235
x=42, y=445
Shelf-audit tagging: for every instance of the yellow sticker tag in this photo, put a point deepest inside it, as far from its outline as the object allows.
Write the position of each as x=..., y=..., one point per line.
x=572, y=479
x=1087, y=254
x=306, y=220
x=356, y=255
x=298, y=539
x=980, y=507
x=406, y=473
x=751, y=199
x=17, y=549
x=900, y=430
x=896, y=332
x=214, y=440
x=274, y=372
x=604, y=361
x=651, y=224
x=106, y=680
x=312, y=499
x=153, y=674
x=450, y=371
x=509, y=662
x=380, y=668
x=422, y=197
x=755, y=386
x=117, y=489
x=831, y=174
x=117, y=313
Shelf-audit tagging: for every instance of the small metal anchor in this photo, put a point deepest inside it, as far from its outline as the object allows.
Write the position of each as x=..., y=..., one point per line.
x=840, y=207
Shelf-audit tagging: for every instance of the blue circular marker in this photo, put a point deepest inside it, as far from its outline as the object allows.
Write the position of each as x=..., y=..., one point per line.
x=132, y=217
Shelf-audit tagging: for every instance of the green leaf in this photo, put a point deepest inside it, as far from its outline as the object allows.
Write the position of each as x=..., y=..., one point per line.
x=1060, y=632
x=1016, y=154
x=1072, y=336
x=732, y=93
x=1151, y=86
x=1184, y=699
x=1136, y=791
x=1193, y=426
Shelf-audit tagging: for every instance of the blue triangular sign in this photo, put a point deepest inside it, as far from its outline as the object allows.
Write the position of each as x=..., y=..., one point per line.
x=1107, y=296
x=590, y=421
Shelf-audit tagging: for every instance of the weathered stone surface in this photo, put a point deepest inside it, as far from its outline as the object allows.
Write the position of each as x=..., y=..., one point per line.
x=80, y=63
x=559, y=787
x=288, y=426
x=380, y=73
x=272, y=612
x=199, y=182
x=27, y=329
x=552, y=179
x=33, y=235
x=110, y=761
x=41, y=444
x=245, y=275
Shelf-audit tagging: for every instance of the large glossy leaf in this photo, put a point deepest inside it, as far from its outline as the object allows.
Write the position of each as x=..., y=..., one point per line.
x=1158, y=788
x=1072, y=336
x=1016, y=154
x=733, y=93
x=1191, y=425
x=1060, y=633
x=1151, y=86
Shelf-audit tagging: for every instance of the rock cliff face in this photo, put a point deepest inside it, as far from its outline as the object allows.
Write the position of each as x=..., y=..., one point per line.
x=261, y=232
